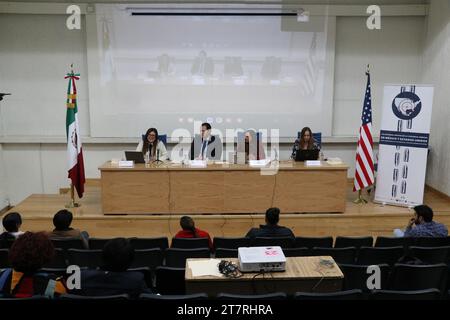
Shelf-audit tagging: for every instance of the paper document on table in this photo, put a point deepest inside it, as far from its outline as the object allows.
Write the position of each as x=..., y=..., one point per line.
x=205, y=268
x=198, y=163
x=259, y=163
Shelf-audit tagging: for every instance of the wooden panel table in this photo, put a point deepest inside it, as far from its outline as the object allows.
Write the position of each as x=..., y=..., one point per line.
x=303, y=274
x=222, y=188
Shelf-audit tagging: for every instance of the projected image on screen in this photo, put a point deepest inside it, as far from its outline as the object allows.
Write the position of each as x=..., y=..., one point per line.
x=235, y=71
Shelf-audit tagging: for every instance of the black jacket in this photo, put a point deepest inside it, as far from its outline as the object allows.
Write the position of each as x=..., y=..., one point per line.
x=101, y=283
x=214, y=151
x=270, y=231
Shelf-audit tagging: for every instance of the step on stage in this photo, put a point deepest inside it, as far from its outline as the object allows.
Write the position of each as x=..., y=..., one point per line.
x=357, y=220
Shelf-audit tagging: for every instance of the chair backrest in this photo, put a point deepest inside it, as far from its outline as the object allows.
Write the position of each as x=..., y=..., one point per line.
x=379, y=255
x=283, y=242
x=354, y=294
x=190, y=243
x=68, y=243
x=4, y=261
x=297, y=252
x=172, y=297
x=146, y=272
x=6, y=243
x=231, y=243
x=268, y=296
x=226, y=253
x=151, y=258
x=170, y=280
x=418, y=277
x=91, y=259
x=432, y=242
x=117, y=297
x=357, y=242
x=340, y=255
x=176, y=258
x=311, y=242
x=149, y=243
x=427, y=294
x=161, y=137
x=59, y=260
x=97, y=243
x=317, y=137
x=356, y=276
x=431, y=255
x=392, y=242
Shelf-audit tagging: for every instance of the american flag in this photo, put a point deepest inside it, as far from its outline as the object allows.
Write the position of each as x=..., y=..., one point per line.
x=364, y=176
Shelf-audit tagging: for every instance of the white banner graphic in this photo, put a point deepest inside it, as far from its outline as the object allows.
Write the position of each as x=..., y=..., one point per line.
x=403, y=148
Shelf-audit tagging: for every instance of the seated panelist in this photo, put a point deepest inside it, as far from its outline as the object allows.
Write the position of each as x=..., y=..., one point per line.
x=305, y=142
x=253, y=148
x=152, y=148
x=206, y=146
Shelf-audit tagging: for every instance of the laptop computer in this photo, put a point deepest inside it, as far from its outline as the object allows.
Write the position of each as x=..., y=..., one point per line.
x=136, y=156
x=303, y=155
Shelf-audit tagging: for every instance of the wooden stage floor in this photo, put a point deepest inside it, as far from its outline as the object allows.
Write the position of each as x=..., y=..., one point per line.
x=357, y=220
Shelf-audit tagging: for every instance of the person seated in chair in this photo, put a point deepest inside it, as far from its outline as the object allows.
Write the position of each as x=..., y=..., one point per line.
x=28, y=254
x=62, y=221
x=190, y=231
x=113, y=278
x=206, y=146
x=12, y=223
x=152, y=148
x=305, y=142
x=422, y=225
x=271, y=228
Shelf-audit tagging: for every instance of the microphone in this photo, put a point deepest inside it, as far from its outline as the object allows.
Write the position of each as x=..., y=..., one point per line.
x=157, y=155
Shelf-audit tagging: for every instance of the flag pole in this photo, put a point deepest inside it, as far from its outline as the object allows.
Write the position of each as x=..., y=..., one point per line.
x=72, y=203
x=360, y=199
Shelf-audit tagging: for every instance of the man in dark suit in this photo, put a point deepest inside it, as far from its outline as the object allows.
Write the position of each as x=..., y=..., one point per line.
x=271, y=228
x=206, y=146
x=113, y=278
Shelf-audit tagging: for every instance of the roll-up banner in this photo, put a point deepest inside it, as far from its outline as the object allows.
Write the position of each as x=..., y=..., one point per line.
x=403, y=148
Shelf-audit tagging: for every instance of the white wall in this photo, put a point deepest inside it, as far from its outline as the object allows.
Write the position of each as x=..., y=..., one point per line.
x=37, y=164
x=436, y=70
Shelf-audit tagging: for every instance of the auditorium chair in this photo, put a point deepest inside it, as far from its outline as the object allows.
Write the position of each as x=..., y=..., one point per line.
x=170, y=281
x=427, y=294
x=91, y=259
x=226, y=253
x=430, y=255
x=68, y=243
x=340, y=255
x=283, y=242
x=147, y=273
x=418, y=277
x=149, y=243
x=354, y=294
x=355, y=276
x=151, y=258
x=176, y=258
x=174, y=297
x=392, y=242
x=190, y=243
x=431, y=242
x=97, y=243
x=231, y=243
x=311, y=242
x=379, y=255
x=59, y=259
x=252, y=297
x=357, y=242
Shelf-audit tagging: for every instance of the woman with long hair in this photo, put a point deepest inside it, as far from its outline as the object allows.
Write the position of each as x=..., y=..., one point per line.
x=152, y=147
x=305, y=142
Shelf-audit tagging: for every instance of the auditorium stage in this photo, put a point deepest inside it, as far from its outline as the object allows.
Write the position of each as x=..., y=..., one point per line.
x=357, y=220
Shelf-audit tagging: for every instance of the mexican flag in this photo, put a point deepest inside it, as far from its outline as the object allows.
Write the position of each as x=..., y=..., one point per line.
x=74, y=151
